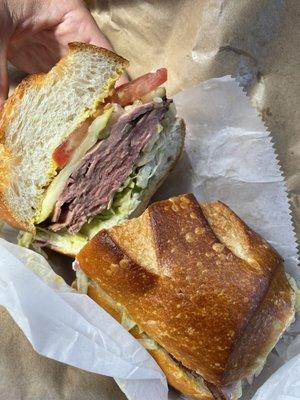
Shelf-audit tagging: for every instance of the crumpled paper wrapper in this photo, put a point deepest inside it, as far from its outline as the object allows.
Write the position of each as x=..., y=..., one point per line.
x=228, y=156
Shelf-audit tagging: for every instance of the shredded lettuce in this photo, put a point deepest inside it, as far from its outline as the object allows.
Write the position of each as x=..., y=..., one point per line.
x=126, y=321
x=149, y=344
x=144, y=175
x=62, y=240
x=25, y=239
x=82, y=281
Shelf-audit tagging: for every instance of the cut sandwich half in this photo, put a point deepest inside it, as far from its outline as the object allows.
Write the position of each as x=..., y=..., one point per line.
x=206, y=296
x=78, y=155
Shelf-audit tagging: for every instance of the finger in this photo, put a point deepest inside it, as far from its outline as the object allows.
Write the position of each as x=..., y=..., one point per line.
x=31, y=55
x=3, y=75
x=93, y=32
x=97, y=38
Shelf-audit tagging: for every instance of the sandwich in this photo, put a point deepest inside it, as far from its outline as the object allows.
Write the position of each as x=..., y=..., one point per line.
x=206, y=295
x=79, y=155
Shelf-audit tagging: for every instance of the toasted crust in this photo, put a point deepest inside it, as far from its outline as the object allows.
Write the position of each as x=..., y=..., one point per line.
x=77, y=46
x=276, y=310
x=8, y=107
x=175, y=375
x=6, y=212
x=10, y=218
x=199, y=282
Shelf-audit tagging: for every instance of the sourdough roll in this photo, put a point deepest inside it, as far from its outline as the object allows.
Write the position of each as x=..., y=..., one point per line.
x=208, y=291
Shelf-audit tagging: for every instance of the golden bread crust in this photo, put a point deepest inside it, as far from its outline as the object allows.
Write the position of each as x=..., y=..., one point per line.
x=6, y=213
x=78, y=46
x=175, y=375
x=252, y=248
x=187, y=290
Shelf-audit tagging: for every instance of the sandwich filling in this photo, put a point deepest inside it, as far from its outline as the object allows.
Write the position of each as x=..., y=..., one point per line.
x=107, y=166
x=99, y=187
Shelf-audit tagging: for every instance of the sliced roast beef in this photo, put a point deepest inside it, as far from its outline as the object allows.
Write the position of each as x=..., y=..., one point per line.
x=106, y=166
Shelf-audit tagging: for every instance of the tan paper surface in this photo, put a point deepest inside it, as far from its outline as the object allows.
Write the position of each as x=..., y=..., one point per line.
x=255, y=40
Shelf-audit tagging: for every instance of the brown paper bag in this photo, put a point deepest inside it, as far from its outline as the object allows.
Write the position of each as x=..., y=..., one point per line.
x=255, y=40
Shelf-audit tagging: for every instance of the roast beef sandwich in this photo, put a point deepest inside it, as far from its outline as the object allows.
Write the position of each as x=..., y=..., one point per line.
x=204, y=293
x=78, y=155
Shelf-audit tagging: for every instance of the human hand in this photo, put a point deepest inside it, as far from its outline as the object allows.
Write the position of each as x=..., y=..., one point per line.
x=34, y=34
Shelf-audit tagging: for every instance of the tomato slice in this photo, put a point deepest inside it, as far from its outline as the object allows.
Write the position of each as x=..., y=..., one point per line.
x=124, y=95
x=134, y=90
x=64, y=151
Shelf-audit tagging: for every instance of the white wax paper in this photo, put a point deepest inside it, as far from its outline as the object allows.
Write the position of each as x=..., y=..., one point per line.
x=69, y=327
x=229, y=156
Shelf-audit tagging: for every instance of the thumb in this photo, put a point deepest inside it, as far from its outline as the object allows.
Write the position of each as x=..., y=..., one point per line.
x=3, y=74
x=97, y=37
